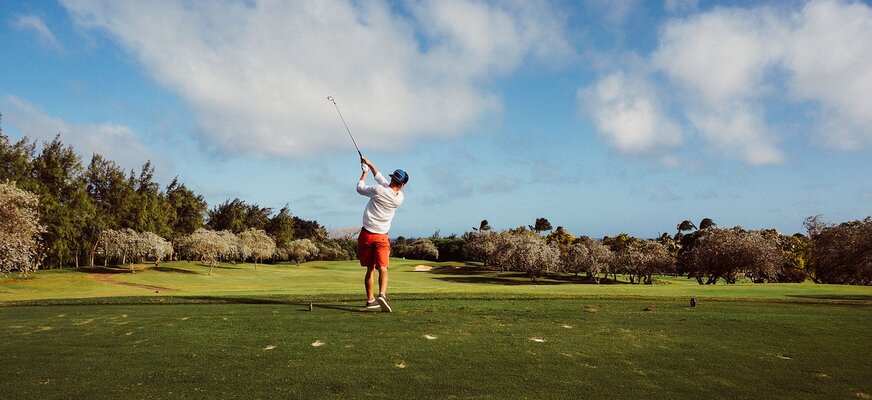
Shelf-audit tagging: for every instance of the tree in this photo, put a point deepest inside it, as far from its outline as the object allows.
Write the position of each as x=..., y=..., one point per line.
x=482, y=245
x=575, y=258
x=685, y=226
x=484, y=226
x=112, y=196
x=451, y=248
x=560, y=238
x=422, y=249
x=301, y=250
x=726, y=253
x=236, y=216
x=541, y=224
x=127, y=245
x=588, y=255
x=797, y=253
x=336, y=249
x=840, y=253
x=208, y=246
x=16, y=161
x=155, y=247
x=281, y=228
x=258, y=244
x=188, y=209
x=311, y=230
x=643, y=258
x=19, y=230
x=528, y=253
x=65, y=207
x=150, y=212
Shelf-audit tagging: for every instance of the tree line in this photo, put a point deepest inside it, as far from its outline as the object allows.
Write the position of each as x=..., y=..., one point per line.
x=58, y=212
x=830, y=253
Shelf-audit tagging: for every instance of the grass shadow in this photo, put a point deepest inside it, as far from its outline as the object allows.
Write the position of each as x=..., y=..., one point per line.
x=241, y=300
x=103, y=270
x=304, y=305
x=175, y=270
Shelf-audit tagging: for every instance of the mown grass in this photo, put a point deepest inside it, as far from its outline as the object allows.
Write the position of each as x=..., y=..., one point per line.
x=346, y=278
x=242, y=333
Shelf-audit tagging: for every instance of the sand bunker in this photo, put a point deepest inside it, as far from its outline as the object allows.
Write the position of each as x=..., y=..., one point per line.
x=422, y=268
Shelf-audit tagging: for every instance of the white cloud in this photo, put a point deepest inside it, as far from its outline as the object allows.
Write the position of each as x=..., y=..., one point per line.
x=256, y=74
x=720, y=55
x=829, y=57
x=729, y=69
x=738, y=129
x=115, y=142
x=36, y=24
x=626, y=110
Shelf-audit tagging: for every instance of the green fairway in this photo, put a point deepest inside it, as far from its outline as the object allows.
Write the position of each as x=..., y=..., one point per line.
x=457, y=332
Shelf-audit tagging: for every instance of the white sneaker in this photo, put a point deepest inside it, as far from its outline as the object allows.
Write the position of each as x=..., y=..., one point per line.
x=383, y=303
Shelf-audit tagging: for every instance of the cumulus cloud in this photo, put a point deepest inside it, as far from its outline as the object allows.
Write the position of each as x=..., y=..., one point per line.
x=829, y=59
x=115, y=142
x=729, y=69
x=626, y=110
x=37, y=25
x=256, y=74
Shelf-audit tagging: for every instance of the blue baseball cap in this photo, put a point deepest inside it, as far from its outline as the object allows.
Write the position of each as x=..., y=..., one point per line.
x=400, y=176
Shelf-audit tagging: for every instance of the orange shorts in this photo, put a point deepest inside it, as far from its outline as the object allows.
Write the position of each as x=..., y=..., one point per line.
x=374, y=249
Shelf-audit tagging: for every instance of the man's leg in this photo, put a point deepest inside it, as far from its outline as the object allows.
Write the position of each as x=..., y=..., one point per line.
x=369, y=281
x=382, y=280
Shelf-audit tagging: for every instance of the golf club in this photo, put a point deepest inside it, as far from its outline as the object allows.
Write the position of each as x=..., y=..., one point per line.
x=330, y=98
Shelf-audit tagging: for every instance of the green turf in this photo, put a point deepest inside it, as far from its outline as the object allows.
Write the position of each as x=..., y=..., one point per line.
x=346, y=278
x=242, y=333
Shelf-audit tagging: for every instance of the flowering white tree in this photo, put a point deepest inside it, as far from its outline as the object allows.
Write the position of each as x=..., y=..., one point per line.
x=257, y=244
x=643, y=258
x=155, y=247
x=524, y=251
x=482, y=245
x=232, y=248
x=302, y=249
x=127, y=245
x=19, y=230
x=120, y=245
x=587, y=255
x=204, y=245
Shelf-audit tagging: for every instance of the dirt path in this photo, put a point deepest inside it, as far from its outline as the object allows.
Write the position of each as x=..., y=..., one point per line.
x=107, y=279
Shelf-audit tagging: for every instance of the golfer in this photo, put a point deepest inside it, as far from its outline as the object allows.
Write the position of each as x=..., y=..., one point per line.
x=373, y=244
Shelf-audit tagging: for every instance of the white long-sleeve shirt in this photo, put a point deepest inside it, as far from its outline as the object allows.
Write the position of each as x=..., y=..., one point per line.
x=383, y=203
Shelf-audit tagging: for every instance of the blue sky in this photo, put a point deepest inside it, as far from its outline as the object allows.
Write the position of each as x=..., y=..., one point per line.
x=602, y=116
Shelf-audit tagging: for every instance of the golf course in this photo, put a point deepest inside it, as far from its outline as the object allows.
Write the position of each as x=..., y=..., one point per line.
x=457, y=331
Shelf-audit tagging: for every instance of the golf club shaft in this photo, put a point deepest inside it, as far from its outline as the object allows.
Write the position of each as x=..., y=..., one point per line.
x=346, y=125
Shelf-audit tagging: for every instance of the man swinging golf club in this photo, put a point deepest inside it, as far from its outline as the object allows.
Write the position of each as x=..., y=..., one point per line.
x=373, y=244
